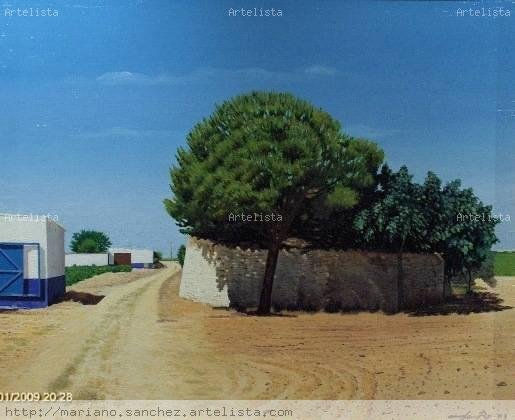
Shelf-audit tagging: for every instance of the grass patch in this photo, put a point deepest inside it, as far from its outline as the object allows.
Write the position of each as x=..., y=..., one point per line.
x=78, y=273
x=504, y=264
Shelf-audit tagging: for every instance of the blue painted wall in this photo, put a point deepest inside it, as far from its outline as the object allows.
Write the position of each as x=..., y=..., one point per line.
x=17, y=292
x=141, y=265
x=50, y=291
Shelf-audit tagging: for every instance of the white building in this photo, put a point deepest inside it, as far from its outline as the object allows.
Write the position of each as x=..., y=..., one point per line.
x=31, y=261
x=137, y=258
x=72, y=259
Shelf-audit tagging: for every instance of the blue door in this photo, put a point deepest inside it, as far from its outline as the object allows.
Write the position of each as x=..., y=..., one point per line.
x=11, y=270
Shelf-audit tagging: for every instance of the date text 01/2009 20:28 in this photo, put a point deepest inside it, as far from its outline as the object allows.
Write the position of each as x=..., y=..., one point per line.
x=35, y=396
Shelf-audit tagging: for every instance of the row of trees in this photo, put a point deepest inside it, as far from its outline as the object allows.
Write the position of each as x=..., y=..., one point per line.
x=428, y=217
x=403, y=216
x=399, y=215
x=273, y=153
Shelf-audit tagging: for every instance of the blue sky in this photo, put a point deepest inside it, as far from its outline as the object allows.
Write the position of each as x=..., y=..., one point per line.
x=95, y=101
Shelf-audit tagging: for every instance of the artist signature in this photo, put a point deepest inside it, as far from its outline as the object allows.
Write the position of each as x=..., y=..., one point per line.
x=480, y=416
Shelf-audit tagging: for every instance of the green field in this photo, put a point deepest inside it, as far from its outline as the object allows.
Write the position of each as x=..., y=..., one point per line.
x=504, y=264
x=78, y=273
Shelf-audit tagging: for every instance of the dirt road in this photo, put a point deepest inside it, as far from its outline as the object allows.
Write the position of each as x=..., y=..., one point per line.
x=141, y=341
x=115, y=349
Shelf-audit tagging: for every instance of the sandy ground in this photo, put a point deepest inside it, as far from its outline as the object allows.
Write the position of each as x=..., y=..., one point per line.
x=141, y=341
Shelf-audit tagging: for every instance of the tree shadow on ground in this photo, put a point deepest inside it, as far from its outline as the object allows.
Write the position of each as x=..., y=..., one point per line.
x=271, y=314
x=82, y=297
x=254, y=312
x=476, y=302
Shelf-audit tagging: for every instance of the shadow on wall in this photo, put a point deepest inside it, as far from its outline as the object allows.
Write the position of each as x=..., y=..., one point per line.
x=240, y=272
x=324, y=279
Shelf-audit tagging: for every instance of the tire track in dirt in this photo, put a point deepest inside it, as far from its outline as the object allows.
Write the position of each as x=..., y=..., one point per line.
x=91, y=374
x=286, y=370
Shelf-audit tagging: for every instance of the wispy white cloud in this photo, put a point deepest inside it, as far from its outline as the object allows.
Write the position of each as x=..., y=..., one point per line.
x=363, y=130
x=122, y=132
x=120, y=78
x=318, y=70
x=83, y=6
x=125, y=78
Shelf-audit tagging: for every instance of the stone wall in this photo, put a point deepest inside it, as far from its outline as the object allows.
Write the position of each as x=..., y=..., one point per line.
x=313, y=280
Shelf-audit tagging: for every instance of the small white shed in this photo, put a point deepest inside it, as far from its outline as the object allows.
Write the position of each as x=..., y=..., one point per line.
x=137, y=258
x=31, y=261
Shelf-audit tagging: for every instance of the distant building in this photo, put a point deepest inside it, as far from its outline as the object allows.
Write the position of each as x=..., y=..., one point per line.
x=72, y=259
x=137, y=258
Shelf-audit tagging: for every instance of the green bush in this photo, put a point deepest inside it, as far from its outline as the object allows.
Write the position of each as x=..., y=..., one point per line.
x=90, y=241
x=181, y=253
x=76, y=273
x=87, y=246
x=158, y=256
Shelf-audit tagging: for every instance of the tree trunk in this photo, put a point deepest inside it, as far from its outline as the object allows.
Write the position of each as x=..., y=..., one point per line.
x=400, y=282
x=265, y=301
x=277, y=235
x=400, y=276
x=446, y=286
x=469, y=288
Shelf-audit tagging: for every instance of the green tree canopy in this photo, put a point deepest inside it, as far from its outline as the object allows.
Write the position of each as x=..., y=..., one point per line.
x=265, y=153
x=405, y=216
x=469, y=233
x=90, y=241
x=395, y=221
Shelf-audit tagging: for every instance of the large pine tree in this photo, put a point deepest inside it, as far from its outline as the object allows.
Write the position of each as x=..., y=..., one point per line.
x=265, y=153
